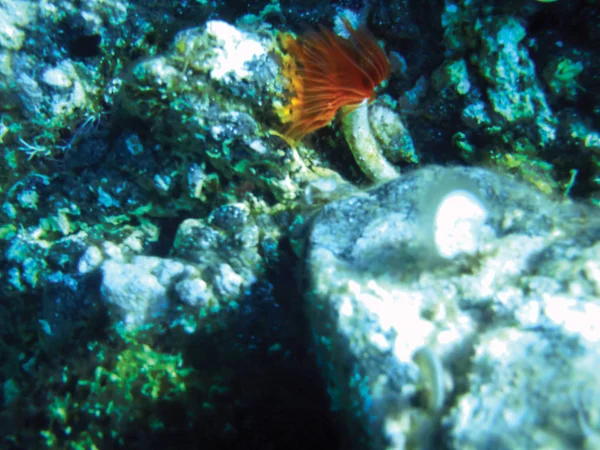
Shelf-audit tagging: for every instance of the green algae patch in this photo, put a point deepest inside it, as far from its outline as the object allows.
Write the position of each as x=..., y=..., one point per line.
x=128, y=386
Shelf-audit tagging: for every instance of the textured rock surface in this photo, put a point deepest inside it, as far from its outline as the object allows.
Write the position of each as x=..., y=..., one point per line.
x=418, y=342
x=213, y=263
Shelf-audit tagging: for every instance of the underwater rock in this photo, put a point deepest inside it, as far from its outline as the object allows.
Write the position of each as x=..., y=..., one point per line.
x=134, y=289
x=60, y=64
x=408, y=280
x=505, y=65
x=14, y=17
x=513, y=89
x=561, y=77
x=31, y=259
x=210, y=91
x=530, y=389
x=68, y=303
x=213, y=262
x=232, y=51
x=391, y=133
x=453, y=76
x=518, y=75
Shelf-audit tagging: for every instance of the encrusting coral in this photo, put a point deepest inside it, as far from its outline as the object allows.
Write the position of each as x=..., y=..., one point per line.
x=327, y=72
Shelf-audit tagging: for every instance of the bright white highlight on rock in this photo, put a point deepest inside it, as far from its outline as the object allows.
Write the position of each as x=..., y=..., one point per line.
x=233, y=51
x=458, y=222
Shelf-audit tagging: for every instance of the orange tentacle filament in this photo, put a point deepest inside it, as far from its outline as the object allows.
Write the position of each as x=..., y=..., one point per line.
x=327, y=72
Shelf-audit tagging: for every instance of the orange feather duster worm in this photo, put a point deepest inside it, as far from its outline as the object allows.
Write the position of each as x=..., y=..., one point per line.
x=327, y=72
